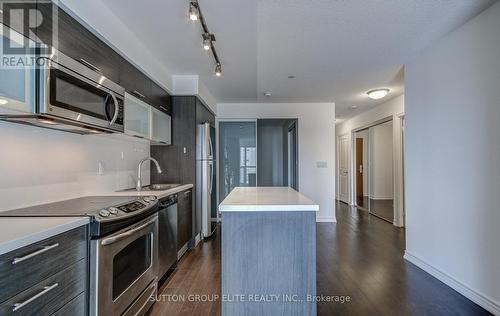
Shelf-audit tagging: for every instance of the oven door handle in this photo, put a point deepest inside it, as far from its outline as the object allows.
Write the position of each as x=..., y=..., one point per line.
x=126, y=234
x=117, y=108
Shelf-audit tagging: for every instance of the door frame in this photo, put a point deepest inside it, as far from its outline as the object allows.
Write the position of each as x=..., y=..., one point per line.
x=294, y=126
x=338, y=187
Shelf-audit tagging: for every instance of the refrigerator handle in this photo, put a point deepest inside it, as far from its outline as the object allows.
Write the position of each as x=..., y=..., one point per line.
x=211, y=164
x=211, y=153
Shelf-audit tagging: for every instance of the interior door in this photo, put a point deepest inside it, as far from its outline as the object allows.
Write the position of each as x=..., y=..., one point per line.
x=343, y=176
x=359, y=168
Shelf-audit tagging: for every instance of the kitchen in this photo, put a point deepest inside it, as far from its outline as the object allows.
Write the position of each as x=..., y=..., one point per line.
x=197, y=158
x=112, y=179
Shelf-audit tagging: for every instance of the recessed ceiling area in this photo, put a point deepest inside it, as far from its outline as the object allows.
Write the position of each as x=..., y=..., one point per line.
x=336, y=51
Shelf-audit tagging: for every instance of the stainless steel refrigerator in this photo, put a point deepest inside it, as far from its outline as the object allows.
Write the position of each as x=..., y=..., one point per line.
x=206, y=201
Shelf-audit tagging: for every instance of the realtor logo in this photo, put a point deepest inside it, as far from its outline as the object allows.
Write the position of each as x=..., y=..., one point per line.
x=23, y=23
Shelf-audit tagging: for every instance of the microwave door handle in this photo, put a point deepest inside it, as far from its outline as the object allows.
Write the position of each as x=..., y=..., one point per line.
x=117, y=109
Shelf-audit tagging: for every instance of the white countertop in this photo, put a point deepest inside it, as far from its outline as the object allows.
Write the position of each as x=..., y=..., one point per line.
x=17, y=232
x=266, y=199
x=158, y=194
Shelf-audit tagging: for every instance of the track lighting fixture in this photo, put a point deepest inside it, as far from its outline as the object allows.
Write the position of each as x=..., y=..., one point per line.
x=207, y=41
x=193, y=11
x=218, y=70
x=195, y=14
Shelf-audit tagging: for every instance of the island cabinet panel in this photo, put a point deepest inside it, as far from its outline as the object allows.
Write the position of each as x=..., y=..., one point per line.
x=269, y=261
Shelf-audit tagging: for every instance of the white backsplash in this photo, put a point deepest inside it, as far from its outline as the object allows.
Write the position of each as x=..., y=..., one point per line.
x=39, y=165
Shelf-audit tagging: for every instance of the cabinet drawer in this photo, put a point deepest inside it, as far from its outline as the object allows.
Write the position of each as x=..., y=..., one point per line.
x=49, y=295
x=76, y=307
x=40, y=260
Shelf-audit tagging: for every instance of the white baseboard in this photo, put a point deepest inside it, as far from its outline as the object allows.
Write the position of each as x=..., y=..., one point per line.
x=478, y=298
x=381, y=197
x=326, y=220
x=197, y=239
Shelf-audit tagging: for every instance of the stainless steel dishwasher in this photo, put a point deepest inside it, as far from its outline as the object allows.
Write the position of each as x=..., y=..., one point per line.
x=167, y=234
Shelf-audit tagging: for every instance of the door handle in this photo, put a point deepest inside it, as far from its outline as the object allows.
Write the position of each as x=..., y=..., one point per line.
x=128, y=233
x=117, y=109
x=360, y=168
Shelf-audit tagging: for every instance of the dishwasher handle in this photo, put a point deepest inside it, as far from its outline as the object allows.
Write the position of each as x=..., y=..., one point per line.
x=168, y=201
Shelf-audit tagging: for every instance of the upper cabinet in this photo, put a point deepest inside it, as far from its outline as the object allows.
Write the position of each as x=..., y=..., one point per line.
x=75, y=41
x=160, y=99
x=134, y=81
x=161, y=127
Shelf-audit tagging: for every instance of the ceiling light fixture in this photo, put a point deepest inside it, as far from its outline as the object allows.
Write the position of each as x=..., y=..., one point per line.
x=377, y=94
x=193, y=11
x=267, y=94
x=218, y=70
x=3, y=101
x=354, y=107
x=208, y=38
x=207, y=41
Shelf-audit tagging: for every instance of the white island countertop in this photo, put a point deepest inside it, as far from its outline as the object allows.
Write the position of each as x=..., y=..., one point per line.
x=17, y=232
x=266, y=199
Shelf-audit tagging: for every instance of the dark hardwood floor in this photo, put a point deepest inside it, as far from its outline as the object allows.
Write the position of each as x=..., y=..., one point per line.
x=381, y=208
x=361, y=256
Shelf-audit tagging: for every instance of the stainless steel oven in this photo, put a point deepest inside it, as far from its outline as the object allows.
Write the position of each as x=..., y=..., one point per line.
x=124, y=270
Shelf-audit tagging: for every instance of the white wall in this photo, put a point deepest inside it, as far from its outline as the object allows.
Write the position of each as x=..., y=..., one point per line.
x=453, y=150
x=39, y=165
x=381, y=161
x=316, y=143
x=392, y=108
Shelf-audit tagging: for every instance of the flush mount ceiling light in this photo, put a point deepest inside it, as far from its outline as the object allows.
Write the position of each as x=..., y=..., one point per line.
x=208, y=38
x=377, y=94
x=3, y=101
x=267, y=94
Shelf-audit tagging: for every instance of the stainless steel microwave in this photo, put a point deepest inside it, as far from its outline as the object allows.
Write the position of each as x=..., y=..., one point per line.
x=72, y=96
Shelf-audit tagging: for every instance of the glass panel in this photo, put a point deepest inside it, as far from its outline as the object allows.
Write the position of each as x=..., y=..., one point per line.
x=381, y=171
x=161, y=126
x=16, y=78
x=130, y=263
x=237, y=156
x=137, y=116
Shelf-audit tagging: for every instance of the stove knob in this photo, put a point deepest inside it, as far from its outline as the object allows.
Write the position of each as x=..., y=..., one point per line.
x=113, y=210
x=104, y=213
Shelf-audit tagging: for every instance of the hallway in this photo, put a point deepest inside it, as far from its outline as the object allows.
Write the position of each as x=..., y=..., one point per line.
x=361, y=257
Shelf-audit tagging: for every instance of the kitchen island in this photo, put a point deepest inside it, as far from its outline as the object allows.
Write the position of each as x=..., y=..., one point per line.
x=268, y=252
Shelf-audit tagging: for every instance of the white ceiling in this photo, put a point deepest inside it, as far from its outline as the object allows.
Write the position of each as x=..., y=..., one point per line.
x=336, y=49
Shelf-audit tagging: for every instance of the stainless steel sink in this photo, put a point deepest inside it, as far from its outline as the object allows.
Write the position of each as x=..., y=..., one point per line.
x=155, y=187
x=161, y=187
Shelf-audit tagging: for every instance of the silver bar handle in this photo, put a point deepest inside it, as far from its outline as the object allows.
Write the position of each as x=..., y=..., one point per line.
x=140, y=95
x=117, y=109
x=163, y=108
x=128, y=233
x=35, y=253
x=46, y=289
x=91, y=66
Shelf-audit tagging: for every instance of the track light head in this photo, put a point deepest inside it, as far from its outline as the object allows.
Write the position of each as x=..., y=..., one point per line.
x=218, y=70
x=207, y=41
x=193, y=11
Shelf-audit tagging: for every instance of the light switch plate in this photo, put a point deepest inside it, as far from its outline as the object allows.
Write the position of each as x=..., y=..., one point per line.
x=321, y=164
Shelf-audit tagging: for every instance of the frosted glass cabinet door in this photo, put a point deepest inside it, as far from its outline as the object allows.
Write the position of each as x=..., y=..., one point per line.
x=161, y=128
x=17, y=82
x=237, y=156
x=137, y=117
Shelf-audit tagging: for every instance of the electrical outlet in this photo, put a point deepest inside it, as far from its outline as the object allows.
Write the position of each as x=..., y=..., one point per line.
x=100, y=168
x=321, y=164
x=185, y=150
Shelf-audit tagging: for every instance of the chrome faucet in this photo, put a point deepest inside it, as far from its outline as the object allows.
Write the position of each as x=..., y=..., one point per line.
x=138, y=187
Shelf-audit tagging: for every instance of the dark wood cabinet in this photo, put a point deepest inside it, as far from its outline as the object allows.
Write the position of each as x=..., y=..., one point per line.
x=160, y=98
x=134, y=81
x=77, y=42
x=184, y=218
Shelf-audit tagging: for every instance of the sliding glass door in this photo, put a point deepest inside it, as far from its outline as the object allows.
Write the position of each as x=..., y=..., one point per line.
x=237, y=155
